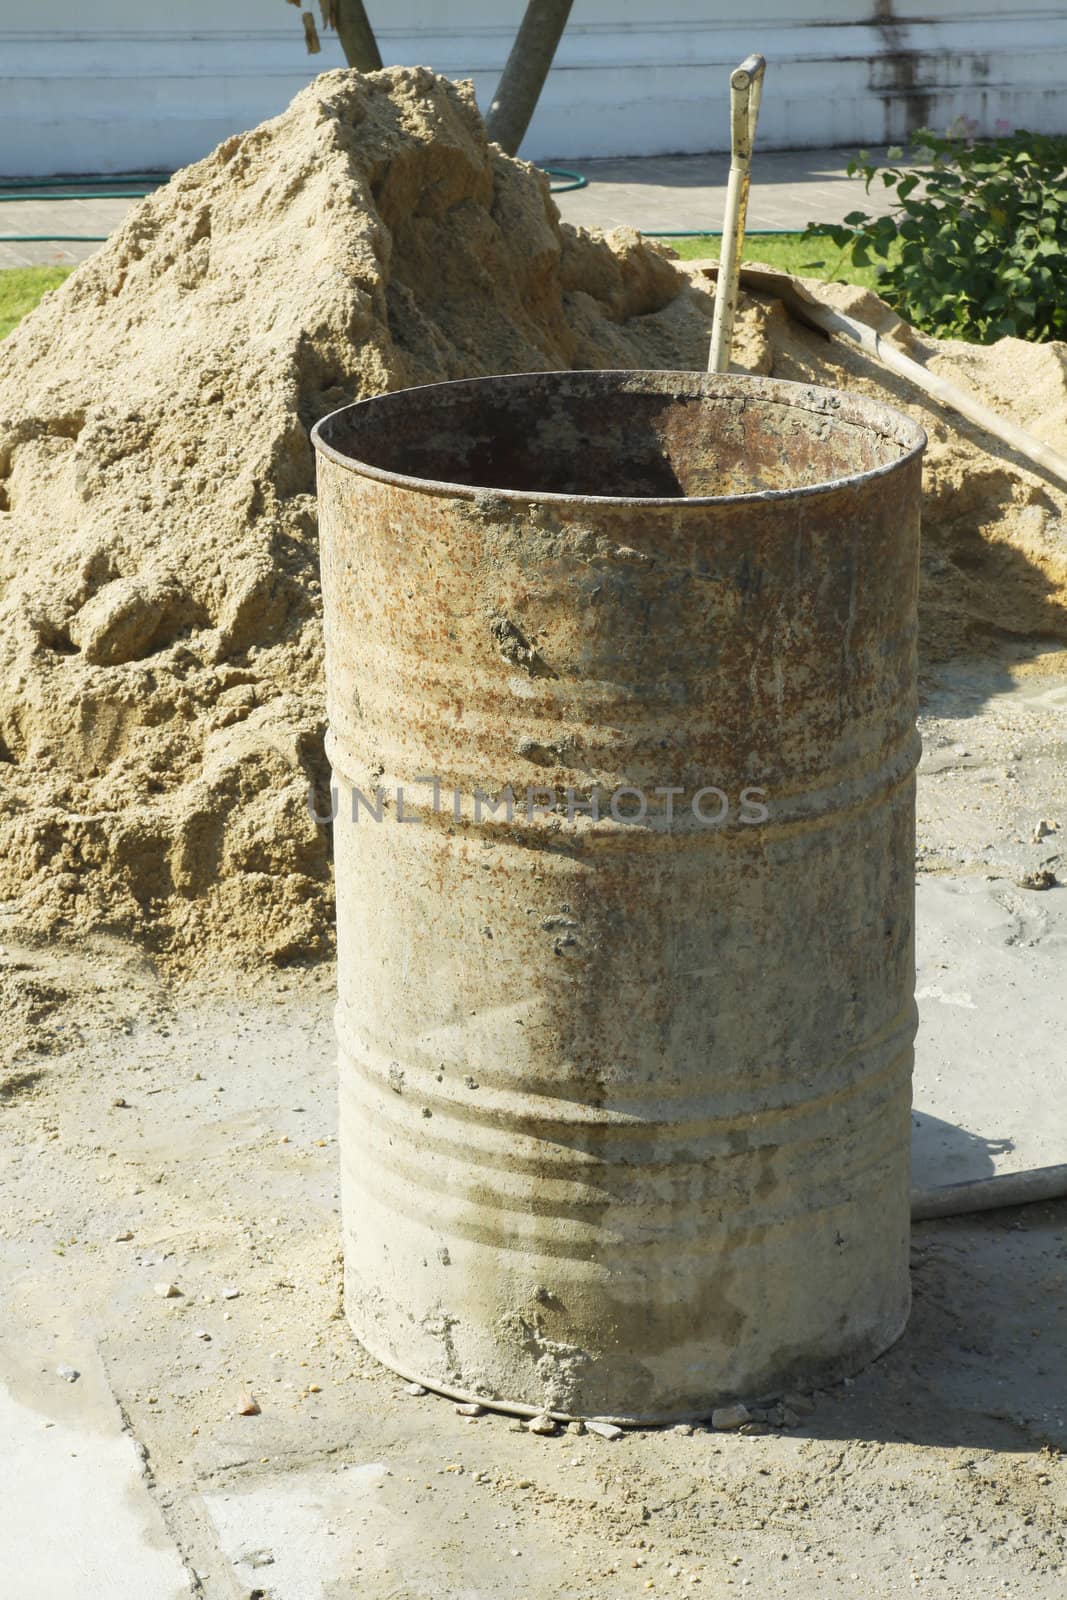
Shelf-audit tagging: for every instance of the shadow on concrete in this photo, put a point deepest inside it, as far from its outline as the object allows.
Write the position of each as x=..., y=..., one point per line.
x=980, y=1363
x=943, y=1153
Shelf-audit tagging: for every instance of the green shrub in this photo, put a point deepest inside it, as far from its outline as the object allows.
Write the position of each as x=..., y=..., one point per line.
x=975, y=246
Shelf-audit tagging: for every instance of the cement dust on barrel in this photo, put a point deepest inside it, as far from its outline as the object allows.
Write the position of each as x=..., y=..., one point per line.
x=682, y=1176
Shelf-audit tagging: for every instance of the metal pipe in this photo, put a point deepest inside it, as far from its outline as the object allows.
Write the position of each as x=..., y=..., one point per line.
x=746, y=84
x=989, y=1194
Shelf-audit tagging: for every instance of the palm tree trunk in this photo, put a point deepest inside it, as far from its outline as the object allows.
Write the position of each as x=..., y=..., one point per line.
x=524, y=76
x=360, y=46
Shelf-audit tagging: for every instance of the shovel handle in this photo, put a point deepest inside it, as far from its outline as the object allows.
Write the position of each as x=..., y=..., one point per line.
x=746, y=85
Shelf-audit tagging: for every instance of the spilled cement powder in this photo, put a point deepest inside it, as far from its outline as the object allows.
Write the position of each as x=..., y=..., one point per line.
x=161, y=673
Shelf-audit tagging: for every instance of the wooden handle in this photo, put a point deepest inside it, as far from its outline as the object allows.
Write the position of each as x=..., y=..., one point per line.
x=803, y=305
x=1043, y=455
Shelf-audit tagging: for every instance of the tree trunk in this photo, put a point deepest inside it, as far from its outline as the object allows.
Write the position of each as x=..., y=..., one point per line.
x=356, y=35
x=524, y=76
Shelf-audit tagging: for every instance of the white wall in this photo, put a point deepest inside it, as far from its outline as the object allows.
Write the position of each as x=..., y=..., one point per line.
x=106, y=85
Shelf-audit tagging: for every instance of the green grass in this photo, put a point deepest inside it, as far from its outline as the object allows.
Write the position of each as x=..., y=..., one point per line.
x=789, y=252
x=21, y=288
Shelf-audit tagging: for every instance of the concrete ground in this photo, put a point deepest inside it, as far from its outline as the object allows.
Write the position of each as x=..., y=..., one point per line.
x=789, y=189
x=95, y=218
x=186, y=1414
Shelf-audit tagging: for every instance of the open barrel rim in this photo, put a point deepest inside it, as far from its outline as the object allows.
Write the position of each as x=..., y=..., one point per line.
x=855, y=409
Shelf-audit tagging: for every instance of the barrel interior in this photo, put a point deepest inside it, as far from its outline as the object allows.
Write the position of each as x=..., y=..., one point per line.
x=648, y=435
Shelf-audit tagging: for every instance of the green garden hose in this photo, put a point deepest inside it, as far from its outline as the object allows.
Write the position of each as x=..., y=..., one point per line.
x=574, y=180
x=72, y=183
x=124, y=194
x=14, y=189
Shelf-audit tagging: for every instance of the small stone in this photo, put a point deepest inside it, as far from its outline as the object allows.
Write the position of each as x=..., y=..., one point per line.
x=542, y=1424
x=123, y=1237
x=685, y=1429
x=68, y=1374
x=416, y=1389
x=577, y=1426
x=314, y=1388
x=202, y=1333
x=752, y=1429
x=167, y=1291
x=802, y=1404
x=604, y=1430
x=790, y=1419
x=230, y=1294
x=121, y=1102
x=470, y=1408
x=1042, y=830
x=726, y=1418
x=1042, y=879
x=248, y=1406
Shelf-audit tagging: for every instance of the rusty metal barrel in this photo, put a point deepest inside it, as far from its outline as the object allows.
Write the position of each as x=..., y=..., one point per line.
x=621, y=693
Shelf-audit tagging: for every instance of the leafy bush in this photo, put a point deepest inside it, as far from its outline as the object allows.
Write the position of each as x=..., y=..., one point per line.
x=975, y=246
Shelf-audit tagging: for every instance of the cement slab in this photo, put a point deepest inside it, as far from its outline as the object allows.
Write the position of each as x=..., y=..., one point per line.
x=990, y=1089
x=77, y=1517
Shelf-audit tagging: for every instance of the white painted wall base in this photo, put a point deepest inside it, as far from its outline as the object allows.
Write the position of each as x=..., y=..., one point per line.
x=121, y=85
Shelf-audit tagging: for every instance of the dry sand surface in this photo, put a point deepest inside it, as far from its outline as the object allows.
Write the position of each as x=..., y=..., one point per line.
x=167, y=1094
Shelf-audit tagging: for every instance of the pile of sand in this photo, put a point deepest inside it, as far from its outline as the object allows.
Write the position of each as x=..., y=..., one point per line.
x=161, y=693
x=161, y=678
x=994, y=557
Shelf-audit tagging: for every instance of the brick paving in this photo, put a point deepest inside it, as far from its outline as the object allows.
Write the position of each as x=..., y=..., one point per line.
x=789, y=189
x=99, y=217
